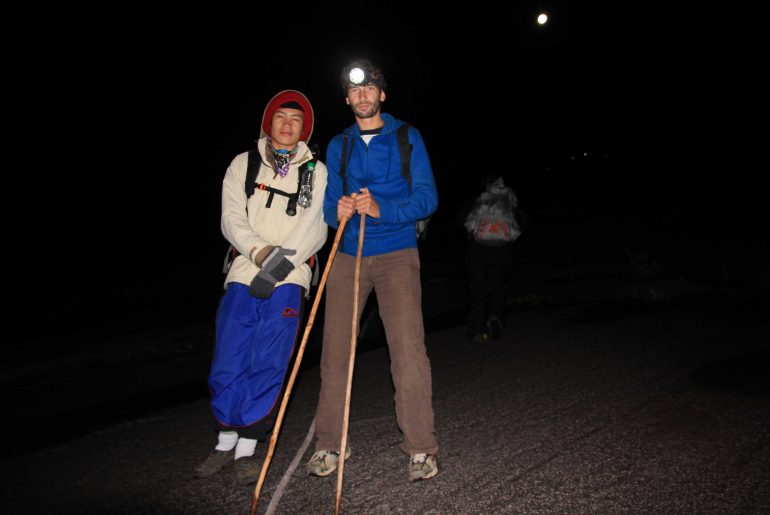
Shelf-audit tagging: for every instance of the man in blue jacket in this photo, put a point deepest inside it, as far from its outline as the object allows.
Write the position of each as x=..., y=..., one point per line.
x=371, y=183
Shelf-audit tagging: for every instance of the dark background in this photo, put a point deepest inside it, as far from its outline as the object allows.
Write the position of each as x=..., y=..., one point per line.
x=122, y=126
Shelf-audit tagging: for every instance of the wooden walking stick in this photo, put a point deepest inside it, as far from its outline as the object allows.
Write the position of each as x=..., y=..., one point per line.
x=295, y=370
x=351, y=361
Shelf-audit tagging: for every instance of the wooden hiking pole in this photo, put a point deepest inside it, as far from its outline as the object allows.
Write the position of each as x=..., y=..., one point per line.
x=351, y=362
x=295, y=370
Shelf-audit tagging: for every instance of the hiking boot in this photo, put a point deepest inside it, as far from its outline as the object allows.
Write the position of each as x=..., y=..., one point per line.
x=422, y=466
x=495, y=328
x=324, y=462
x=247, y=470
x=214, y=463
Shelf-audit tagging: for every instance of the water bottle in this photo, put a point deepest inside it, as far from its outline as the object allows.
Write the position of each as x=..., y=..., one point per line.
x=306, y=186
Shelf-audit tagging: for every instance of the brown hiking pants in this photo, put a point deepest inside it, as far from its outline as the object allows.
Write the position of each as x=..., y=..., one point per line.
x=396, y=279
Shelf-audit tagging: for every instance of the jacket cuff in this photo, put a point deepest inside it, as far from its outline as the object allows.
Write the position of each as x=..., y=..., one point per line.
x=257, y=257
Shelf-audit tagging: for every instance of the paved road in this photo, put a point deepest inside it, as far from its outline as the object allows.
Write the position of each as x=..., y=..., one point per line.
x=657, y=406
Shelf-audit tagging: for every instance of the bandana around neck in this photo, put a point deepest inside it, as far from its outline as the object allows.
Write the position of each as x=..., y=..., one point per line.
x=281, y=158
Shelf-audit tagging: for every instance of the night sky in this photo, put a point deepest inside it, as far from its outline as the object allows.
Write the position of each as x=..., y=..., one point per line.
x=123, y=128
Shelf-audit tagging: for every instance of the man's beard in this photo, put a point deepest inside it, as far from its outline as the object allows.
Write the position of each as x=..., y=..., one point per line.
x=374, y=108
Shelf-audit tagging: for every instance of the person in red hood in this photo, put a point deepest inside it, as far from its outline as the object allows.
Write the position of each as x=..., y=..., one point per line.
x=275, y=230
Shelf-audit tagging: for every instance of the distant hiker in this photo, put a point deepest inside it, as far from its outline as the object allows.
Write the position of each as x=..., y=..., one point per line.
x=365, y=161
x=490, y=224
x=274, y=230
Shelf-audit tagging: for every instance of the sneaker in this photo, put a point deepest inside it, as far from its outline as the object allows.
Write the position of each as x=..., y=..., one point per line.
x=324, y=462
x=247, y=470
x=495, y=326
x=214, y=463
x=422, y=466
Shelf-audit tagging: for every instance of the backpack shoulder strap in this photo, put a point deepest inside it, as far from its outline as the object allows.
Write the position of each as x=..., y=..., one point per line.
x=252, y=169
x=304, y=169
x=314, y=159
x=344, y=162
x=405, y=149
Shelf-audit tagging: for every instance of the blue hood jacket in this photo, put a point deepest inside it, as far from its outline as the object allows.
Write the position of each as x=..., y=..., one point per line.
x=377, y=166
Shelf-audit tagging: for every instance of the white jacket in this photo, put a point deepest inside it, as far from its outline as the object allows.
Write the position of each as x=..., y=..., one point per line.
x=260, y=226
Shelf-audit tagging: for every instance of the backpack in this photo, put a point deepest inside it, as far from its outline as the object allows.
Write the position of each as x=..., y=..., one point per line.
x=252, y=169
x=405, y=150
x=492, y=221
x=254, y=161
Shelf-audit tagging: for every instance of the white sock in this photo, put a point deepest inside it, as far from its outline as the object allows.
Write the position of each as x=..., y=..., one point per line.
x=245, y=447
x=227, y=440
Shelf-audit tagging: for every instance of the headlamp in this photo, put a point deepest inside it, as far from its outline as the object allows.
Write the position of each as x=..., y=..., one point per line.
x=361, y=73
x=357, y=76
